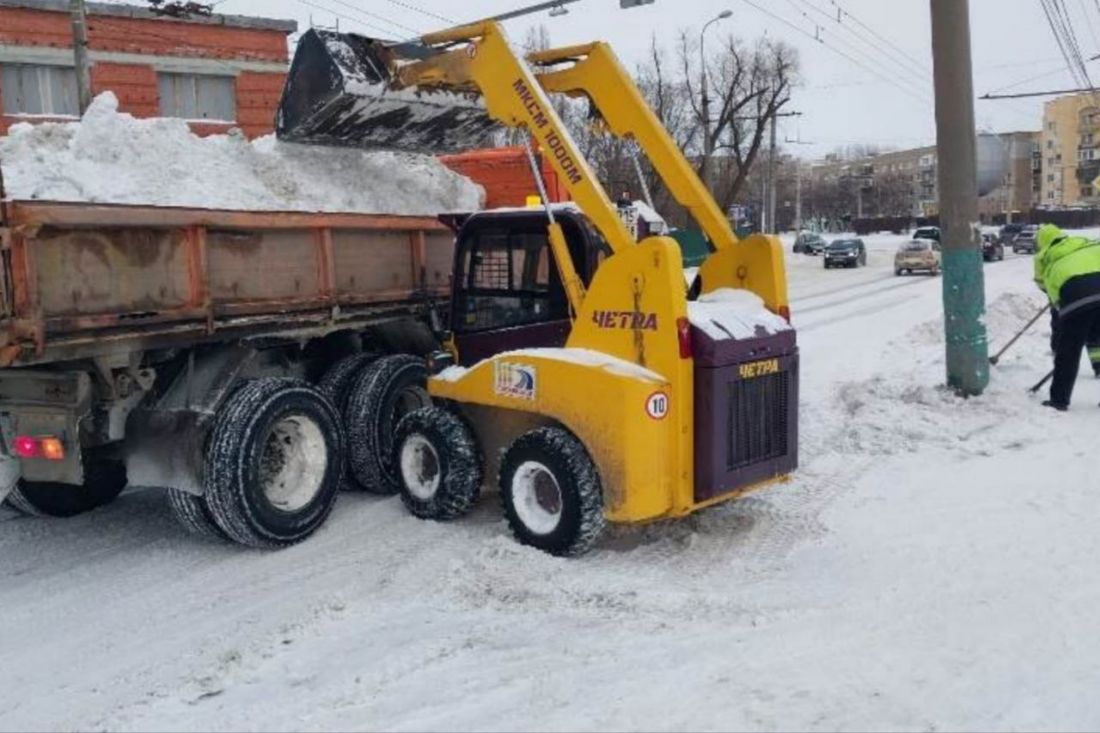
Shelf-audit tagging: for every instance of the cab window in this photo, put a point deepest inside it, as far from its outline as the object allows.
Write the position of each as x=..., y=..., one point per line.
x=508, y=280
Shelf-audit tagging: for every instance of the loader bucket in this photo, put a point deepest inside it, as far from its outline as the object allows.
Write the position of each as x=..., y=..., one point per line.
x=339, y=92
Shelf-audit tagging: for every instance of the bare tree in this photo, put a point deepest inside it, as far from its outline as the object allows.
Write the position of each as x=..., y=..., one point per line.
x=750, y=85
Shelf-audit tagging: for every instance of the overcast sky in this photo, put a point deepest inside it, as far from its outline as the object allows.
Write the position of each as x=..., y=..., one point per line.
x=881, y=94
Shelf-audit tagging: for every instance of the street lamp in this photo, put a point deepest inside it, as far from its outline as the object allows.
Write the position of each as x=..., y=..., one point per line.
x=707, y=143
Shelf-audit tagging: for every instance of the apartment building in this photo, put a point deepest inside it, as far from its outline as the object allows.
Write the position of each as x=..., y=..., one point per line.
x=1071, y=151
x=906, y=182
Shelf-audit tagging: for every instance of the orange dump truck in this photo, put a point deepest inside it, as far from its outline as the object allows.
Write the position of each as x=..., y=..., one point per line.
x=209, y=353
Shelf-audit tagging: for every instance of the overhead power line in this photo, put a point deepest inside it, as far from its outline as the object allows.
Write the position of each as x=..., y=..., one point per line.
x=1028, y=95
x=344, y=16
x=1088, y=22
x=893, y=44
x=415, y=9
x=376, y=16
x=871, y=70
x=885, y=51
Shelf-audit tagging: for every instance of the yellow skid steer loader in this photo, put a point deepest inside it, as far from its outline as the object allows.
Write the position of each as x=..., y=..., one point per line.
x=580, y=372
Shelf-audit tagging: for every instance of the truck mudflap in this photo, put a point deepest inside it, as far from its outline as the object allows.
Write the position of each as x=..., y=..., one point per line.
x=339, y=92
x=746, y=411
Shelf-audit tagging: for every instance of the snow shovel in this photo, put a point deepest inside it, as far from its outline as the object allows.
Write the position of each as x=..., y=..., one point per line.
x=341, y=91
x=997, y=357
x=1040, y=385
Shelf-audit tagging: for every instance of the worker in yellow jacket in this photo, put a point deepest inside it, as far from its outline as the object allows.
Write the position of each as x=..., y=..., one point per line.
x=1067, y=269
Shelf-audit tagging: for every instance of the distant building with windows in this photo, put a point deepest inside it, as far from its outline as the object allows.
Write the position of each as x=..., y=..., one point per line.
x=1071, y=151
x=906, y=182
x=215, y=72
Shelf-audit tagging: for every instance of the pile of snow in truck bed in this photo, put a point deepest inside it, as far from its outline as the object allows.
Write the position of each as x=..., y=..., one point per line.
x=111, y=157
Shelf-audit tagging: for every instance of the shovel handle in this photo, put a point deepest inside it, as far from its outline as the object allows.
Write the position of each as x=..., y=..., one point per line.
x=1043, y=383
x=997, y=357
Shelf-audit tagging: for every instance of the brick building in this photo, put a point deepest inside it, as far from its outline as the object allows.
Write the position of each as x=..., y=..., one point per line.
x=216, y=72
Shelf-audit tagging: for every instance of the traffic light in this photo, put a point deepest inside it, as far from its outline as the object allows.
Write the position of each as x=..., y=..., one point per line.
x=634, y=3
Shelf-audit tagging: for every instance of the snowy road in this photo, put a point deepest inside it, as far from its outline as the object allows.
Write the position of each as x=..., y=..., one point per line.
x=928, y=568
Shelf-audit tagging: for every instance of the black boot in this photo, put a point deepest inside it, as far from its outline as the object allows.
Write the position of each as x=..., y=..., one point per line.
x=1056, y=406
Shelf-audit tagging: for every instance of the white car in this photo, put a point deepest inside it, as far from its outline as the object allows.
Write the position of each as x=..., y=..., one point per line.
x=921, y=255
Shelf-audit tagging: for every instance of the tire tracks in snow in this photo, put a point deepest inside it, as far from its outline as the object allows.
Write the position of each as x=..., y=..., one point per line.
x=858, y=296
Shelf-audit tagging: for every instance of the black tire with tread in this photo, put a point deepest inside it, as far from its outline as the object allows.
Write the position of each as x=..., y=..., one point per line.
x=582, y=521
x=460, y=463
x=194, y=515
x=372, y=415
x=104, y=480
x=340, y=378
x=234, y=449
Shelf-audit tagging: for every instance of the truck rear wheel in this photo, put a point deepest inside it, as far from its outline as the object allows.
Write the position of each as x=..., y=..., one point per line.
x=340, y=378
x=551, y=491
x=386, y=391
x=104, y=480
x=194, y=515
x=440, y=464
x=274, y=463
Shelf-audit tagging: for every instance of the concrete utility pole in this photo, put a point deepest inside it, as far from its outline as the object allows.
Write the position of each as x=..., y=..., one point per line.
x=704, y=86
x=956, y=140
x=772, y=186
x=79, y=16
x=798, y=196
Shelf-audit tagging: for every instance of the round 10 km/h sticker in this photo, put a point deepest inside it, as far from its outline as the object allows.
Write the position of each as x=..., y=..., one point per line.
x=657, y=405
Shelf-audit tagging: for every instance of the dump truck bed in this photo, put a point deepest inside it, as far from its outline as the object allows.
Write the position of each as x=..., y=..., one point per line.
x=81, y=280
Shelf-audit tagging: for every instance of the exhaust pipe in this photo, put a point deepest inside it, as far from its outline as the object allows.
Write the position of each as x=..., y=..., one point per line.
x=340, y=91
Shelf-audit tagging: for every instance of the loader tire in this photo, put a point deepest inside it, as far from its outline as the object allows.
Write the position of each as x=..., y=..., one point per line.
x=385, y=392
x=440, y=464
x=551, y=492
x=274, y=461
x=340, y=378
x=194, y=515
x=104, y=480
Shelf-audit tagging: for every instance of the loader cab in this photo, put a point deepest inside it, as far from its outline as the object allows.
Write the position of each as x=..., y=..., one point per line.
x=507, y=292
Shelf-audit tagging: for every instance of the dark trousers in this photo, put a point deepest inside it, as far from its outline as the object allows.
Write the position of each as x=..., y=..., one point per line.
x=1093, y=345
x=1072, y=333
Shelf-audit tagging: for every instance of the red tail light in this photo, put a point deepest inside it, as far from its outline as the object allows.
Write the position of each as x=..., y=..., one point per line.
x=50, y=448
x=683, y=332
x=26, y=447
x=785, y=313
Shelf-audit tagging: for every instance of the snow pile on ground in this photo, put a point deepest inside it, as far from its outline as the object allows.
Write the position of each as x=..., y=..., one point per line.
x=112, y=157
x=734, y=314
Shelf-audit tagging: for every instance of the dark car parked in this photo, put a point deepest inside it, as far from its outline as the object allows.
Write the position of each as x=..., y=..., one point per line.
x=809, y=243
x=932, y=233
x=1008, y=234
x=1024, y=243
x=846, y=253
x=992, y=249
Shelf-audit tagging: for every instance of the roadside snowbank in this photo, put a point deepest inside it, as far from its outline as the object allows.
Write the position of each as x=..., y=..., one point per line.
x=112, y=157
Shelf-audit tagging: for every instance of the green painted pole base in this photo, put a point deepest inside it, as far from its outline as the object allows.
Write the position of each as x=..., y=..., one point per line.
x=964, y=321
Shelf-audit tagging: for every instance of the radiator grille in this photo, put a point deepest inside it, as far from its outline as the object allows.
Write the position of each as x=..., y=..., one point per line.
x=757, y=420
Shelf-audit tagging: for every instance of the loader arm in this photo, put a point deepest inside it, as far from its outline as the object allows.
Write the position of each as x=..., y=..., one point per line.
x=477, y=59
x=593, y=71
